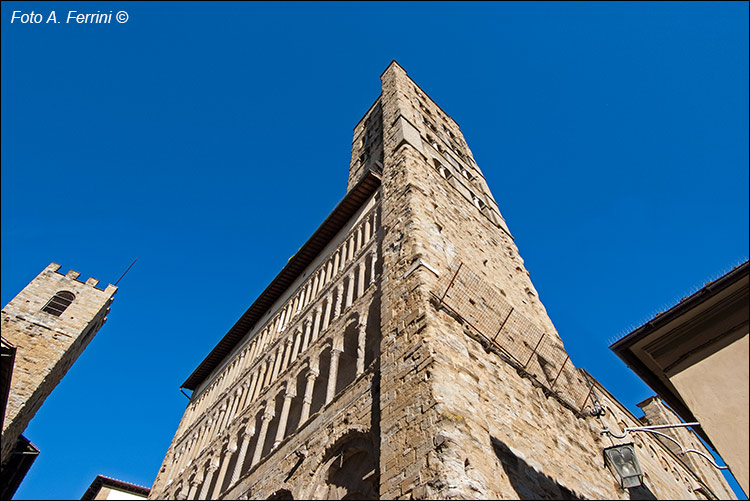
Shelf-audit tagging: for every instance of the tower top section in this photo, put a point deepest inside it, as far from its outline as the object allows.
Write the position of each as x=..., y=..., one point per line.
x=60, y=301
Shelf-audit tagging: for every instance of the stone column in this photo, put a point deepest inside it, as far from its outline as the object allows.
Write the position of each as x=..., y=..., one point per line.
x=229, y=450
x=193, y=487
x=361, y=278
x=361, y=339
x=350, y=248
x=350, y=290
x=262, y=341
x=251, y=389
x=204, y=438
x=240, y=391
x=267, y=417
x=329, y=270
x=253, y=349
x=269, y=369
x=332, y=374
x=306, y=341
x=230, y=408
x=336, y=262
x=211, y=432
x=337, y=307
x=287, y=353
x=211, y=393
x=201, y=405
x=312, y=375
x=243, y=401
x=224, y=415
x=343, y=255
x=176, y=460
x=373, y=259
x=327, y=313
x=183, y=492
x=207, y=482
x=262, y=368
x=359, y=237
x=280, y=323
x=316, y=322
x=179, y=466
x=184, y=458
x=288, y=396
x=297, y=342
x=315, y=282
x=277, y=362
x=247, y=435
x=368, y=229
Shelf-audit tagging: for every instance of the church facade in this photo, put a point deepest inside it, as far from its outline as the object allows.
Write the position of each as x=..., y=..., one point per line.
x=403, y=352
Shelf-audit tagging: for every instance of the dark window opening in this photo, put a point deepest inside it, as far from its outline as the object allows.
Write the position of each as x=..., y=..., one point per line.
x=59, y=303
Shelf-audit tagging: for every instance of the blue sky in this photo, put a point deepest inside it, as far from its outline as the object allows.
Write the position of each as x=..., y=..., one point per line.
x=211, y=140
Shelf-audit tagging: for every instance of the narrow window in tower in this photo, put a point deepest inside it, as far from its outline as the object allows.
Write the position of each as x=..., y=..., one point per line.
x=480, y=205
x=450, y=159
x=59, y=303
x=441, y=168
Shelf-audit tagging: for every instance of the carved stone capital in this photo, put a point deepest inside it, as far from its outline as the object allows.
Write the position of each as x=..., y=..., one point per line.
x=268, y=413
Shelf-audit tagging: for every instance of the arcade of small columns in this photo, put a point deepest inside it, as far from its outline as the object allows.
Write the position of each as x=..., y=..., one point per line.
x=246, y=386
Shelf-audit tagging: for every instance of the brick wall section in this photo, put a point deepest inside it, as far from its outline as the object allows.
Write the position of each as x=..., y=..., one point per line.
x=47, y=345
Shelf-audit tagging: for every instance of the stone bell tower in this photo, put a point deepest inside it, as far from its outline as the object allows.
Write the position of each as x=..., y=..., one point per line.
x=403, y=352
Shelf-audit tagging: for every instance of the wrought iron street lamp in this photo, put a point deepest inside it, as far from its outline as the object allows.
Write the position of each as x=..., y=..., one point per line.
x=622, y=462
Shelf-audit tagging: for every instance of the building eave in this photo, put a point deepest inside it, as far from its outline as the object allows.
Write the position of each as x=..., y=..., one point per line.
x=662, y=319
x=338, y=218
x=630, y=349
x=102, y=481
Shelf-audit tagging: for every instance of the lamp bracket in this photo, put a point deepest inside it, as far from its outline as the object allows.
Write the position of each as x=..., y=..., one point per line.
x=652, y=429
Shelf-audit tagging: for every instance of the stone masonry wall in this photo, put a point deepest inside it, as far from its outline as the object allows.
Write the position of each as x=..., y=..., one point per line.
x=47, y=345
x=457, y=421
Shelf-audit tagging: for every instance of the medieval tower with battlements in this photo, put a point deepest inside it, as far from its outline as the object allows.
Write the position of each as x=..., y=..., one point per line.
x=403, y=352
x=45, y=328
